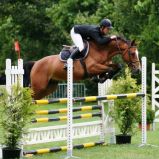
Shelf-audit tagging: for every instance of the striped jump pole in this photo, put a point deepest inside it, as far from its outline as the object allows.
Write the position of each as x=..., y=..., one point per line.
x=88, y=115
x=91, y=98
x=62, y=148
x=64, y=110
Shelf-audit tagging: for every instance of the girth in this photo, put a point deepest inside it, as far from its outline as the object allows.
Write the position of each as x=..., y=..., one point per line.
x=86, y=74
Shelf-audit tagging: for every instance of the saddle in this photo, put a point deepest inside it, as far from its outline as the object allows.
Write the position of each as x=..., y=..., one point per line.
x=67, y=50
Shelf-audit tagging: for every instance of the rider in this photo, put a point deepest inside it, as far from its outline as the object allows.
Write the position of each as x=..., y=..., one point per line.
x=97, y=34
x=90, y=32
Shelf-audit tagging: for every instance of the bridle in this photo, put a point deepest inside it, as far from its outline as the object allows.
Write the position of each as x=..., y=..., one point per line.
x=127, y=50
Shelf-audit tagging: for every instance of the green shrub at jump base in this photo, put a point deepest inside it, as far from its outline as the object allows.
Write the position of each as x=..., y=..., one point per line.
x=16, y=111
x=125, y=111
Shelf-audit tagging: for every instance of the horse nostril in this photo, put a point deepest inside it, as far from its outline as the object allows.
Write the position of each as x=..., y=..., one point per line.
x=138, y=71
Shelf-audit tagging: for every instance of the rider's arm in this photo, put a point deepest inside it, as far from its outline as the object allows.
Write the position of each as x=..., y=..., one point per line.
x=100, y=39
x=92, y=32
x=103, y=40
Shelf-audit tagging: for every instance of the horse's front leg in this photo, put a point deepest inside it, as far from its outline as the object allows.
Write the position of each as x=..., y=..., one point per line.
x=110, y=73
x=115, y=69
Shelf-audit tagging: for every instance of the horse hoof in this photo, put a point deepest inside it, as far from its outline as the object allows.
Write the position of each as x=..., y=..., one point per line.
x=95, y=79
x=119, y=67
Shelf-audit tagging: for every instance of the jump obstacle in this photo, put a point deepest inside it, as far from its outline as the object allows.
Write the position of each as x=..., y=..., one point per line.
x=155, y=92
x=90, y=98
x=59, y=133
x=14, y=74
x=80, y=130
x=70, y=101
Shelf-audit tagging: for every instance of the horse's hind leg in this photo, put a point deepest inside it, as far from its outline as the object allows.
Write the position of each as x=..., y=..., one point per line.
x=42, y=89
x=43, y=93
x=52, y=86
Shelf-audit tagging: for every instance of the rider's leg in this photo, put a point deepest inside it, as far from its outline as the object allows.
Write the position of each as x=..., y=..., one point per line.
x=78, y=41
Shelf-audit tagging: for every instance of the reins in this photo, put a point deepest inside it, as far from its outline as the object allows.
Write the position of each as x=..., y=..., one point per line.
x=125, y=51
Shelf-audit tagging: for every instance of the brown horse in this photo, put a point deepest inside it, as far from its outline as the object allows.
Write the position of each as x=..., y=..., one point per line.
x=48, y=71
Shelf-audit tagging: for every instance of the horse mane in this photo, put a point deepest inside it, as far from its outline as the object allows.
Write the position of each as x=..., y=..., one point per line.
x=124, y=40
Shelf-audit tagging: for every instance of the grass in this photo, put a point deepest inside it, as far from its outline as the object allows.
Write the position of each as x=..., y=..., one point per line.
x=129, y=151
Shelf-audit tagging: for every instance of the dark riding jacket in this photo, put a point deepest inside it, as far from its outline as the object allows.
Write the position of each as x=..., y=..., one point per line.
x=91, y=32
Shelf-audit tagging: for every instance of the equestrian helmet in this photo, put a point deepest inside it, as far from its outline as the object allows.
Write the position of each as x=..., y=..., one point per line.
x=106, y=23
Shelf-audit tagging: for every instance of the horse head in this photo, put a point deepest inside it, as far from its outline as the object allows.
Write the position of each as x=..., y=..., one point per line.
x=129, y=53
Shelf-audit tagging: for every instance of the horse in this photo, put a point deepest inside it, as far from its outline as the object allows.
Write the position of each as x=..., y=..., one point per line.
x=45, y=73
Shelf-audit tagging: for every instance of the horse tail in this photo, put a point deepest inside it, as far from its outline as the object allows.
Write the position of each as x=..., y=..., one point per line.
x=27, y=69
x=3, y=79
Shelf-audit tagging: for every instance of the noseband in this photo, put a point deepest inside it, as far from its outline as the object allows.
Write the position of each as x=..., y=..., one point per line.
x=131, y=62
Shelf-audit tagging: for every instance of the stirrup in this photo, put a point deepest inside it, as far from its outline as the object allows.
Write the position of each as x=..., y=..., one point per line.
x=65, y=66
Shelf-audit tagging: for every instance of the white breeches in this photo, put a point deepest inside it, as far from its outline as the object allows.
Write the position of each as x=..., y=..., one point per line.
x=77, y=39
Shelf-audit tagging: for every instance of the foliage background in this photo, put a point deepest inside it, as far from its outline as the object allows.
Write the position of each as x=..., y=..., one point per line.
x=125, y=111
x=42, y=27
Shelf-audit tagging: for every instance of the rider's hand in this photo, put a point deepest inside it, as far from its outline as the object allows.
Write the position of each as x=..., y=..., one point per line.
x=113, y=37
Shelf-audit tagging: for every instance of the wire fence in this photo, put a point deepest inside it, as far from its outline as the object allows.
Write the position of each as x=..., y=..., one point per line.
x=79, y=90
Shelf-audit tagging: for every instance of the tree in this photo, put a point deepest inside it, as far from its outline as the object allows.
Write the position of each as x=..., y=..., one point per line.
x=26, y=21
x=42, y=27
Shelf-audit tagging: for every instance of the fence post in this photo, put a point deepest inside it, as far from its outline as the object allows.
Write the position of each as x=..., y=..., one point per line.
x=8, y=75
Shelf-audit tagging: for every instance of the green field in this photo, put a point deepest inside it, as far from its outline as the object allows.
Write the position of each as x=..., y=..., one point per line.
x=130, y=151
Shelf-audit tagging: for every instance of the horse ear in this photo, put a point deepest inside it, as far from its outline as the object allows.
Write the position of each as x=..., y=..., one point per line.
x=133, y=43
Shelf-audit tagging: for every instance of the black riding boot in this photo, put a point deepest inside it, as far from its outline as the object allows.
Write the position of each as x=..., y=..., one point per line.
x=74, y=53
x=72, y=56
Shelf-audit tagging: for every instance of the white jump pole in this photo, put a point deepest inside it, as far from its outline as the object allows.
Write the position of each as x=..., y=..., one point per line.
x=69, y=108
x=144, y=70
